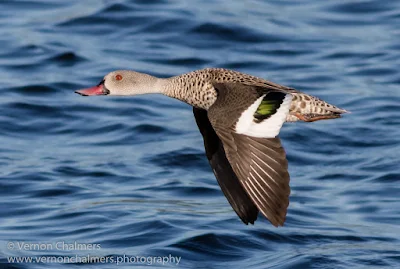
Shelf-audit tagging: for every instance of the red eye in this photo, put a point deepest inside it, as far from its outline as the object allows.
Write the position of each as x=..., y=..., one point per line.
x=118, y=77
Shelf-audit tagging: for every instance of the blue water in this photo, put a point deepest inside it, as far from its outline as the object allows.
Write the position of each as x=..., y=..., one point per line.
x=129, y=174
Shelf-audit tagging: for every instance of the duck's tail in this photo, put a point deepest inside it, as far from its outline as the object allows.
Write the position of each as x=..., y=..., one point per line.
x=309, y=108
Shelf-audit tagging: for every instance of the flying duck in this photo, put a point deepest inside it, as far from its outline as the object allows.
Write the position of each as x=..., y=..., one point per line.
x=239, y=117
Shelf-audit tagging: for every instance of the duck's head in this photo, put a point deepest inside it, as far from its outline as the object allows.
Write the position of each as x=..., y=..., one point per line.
x=123, y=82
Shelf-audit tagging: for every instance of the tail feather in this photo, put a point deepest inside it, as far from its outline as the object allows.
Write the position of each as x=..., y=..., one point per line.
x=310, y=108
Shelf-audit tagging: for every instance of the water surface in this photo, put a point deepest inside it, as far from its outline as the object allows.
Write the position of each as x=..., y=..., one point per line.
x=130, y=174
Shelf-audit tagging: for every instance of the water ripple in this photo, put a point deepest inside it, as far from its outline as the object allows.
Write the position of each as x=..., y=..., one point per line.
x=131, y=175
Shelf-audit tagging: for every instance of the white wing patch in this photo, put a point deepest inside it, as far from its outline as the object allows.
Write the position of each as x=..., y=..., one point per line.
x=268, y=128
x=246, y=119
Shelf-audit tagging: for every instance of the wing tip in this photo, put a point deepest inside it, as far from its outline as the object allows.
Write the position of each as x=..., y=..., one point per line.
x=278, y=222
x=248, y=216
x=277, y=218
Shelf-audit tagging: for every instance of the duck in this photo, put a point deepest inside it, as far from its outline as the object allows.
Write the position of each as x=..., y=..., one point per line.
x=240, y=117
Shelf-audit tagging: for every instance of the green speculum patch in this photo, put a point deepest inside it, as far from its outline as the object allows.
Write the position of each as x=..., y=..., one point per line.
x=269, y=105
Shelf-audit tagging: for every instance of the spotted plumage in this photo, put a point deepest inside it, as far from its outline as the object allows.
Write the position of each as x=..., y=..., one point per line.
x=204, y=96
x=239, y=117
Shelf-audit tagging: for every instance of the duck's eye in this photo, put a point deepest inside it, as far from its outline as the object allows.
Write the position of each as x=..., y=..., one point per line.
x=118, y=77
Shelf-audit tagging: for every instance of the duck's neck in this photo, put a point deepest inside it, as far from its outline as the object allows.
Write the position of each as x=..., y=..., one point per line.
x=189, y=88
x=146, y=84
x=193, y=88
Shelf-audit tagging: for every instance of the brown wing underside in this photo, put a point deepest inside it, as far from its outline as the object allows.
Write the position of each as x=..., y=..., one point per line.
x=259, y=163
x=261, y=166
x=227, y=180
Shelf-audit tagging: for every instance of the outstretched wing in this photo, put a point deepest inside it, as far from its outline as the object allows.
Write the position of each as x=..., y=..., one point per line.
x=227, y=180
x=261, y=166
x=255, y=154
